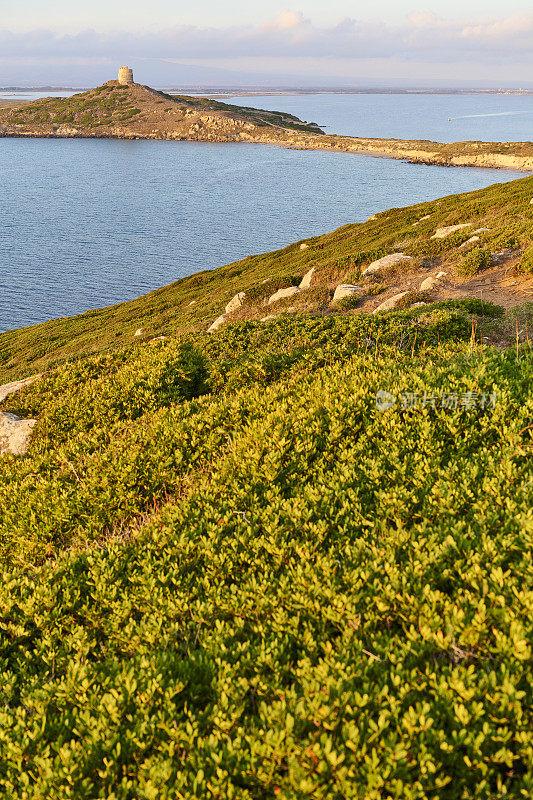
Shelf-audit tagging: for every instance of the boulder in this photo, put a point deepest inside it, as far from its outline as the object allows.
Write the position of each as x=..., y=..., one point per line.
x=428, y=284
x=386, y=261
x=217, y=323
x=469, y=242
x=235, y=302
x=481, y=230
x=346, y=290
x=306, y=280
x=139, y=332
x=417, y=305
x=282, y=294
x=442, y=233
x=269, y=317
x=391, y=303
x=304, y=246
x=15, y=433
x=16, y=386
x=441, y=275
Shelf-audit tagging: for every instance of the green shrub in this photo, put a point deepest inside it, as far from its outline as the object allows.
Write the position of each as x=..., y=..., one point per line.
x=476, y=260
x=526, y=261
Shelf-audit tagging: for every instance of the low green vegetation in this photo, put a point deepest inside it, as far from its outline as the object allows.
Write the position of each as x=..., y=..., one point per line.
x=292, y=559
x=476, y=260
x=227, y=573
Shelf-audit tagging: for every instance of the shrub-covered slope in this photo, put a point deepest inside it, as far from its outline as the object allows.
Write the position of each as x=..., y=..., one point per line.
x=192, y=303
x=228, y=574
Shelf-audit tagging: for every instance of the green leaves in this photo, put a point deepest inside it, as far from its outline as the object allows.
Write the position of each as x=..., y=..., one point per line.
x=274, y=589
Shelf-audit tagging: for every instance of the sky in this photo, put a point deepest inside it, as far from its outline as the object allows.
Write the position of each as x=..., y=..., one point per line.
x=209, y=42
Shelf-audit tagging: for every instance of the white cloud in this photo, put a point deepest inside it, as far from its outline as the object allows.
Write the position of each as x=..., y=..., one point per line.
x=423, y=36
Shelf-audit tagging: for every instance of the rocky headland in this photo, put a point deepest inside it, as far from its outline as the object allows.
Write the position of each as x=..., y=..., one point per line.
x=134, y=111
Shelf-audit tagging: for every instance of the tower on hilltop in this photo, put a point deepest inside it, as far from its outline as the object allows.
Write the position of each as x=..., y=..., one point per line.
x=125, y=75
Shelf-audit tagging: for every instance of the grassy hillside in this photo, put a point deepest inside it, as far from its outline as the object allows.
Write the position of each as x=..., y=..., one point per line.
x=229, y=572
x=135, y=106
x=337, y=257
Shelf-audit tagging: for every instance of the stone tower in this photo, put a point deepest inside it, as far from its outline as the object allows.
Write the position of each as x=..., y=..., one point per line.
x=125, y=75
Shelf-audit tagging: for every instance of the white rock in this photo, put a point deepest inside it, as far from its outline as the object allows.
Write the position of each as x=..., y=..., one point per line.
x=442, y=233
x=392, y=302
x=428, y=284
x=417, y=305
x=304, y=246
x=281, y=294
x=217, y=323
x=386, y=261
x=235, y=302
x=482, y=230
x=158, y=339
x=16, y=386
x=306, y=280
x=472, y=240
x=139, y=332
x=15, y=433
x=345, y=290
x=441, y=275
x=193, y=302
x=269, y=317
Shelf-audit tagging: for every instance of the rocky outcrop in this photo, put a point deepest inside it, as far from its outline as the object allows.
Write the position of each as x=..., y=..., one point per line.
x=387, y=261
x=442, y=233
x=235, y=302
x=15, y=433
x=346, y=290
x=217, y=323
x=392, y=302
x=282, y=294
x=305, y=283
x=16, y=386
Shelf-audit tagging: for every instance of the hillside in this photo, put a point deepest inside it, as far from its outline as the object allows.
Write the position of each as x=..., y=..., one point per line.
x=135, y=111
x=291, y=558
x=193, y=303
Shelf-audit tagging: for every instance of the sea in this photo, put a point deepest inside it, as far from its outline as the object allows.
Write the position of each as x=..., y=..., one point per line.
x=88, y=223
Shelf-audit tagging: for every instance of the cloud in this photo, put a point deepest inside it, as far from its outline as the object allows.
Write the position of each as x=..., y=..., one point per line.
x=423, y=36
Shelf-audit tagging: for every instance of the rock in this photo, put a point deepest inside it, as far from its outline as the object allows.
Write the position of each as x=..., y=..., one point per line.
x=428, y=284
x=139, y=332
x=16, y=386
x=269, y=317
x=417, y=305
x=217, y=323
x=374, y=216
x=236, y=302
x=306, y=280
x=281, y=294
x=15, y=433
x=346, y=290
x=386, y=261
x=193, y=302
x=304, y=246
x=481, y=230
x=158, y=339
x=392, y=302
x=422, y=219
x=442, y=233
x=64, y=130
x=472, y=240
x=441, y=275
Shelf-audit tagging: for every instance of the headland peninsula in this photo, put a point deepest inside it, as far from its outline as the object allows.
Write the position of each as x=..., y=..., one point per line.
x=127, y=110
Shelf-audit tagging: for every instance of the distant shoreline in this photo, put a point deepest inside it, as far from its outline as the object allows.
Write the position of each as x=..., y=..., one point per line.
x=276, y=91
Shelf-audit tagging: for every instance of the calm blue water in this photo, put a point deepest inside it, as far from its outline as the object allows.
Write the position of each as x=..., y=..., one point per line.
x=491, y=118
x=88, y=223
